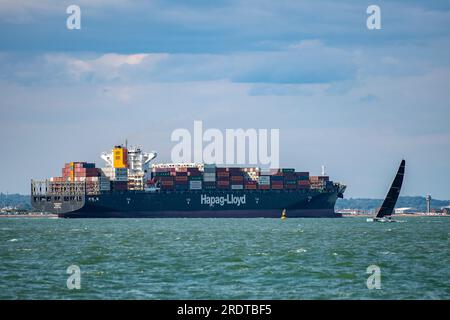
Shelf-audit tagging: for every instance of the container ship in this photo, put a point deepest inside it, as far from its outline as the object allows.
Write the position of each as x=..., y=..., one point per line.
x=129, y=186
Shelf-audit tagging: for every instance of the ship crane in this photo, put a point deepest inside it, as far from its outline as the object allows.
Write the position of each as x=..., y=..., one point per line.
x=107, y=157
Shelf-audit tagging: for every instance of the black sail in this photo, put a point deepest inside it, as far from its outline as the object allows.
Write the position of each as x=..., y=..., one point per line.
x=387, y=208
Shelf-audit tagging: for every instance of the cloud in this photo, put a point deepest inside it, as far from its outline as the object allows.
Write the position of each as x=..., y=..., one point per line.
x=369, y=98
x=214, y=26
x=307, y=44
x=309, y=61
x=109, y=66
x=305, y=64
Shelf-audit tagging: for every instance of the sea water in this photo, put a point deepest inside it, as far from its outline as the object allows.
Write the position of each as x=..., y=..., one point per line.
x=224, y=258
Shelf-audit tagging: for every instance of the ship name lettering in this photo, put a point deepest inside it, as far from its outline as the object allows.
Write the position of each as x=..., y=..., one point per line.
x=229, y=199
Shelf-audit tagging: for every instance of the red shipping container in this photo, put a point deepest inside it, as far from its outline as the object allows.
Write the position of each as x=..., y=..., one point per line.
x=223, y=174
x=237, y=178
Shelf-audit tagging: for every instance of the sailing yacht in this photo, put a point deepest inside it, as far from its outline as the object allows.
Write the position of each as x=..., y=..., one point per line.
x=387, y=208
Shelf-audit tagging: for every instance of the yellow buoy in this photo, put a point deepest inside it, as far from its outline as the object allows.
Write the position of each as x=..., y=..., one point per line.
x=283, y=214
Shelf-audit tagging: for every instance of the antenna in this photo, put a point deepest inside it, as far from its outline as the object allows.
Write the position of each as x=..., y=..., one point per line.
x=126, y=143
x=323, y=170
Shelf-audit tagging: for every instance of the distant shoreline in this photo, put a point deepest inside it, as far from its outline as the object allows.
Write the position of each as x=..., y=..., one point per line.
x=31, y=215
x=397, y=215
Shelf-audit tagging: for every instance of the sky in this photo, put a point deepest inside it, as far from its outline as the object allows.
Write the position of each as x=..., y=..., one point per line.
x=352, y=99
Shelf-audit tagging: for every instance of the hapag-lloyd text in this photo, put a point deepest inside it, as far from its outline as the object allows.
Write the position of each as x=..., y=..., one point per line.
x=221, y=201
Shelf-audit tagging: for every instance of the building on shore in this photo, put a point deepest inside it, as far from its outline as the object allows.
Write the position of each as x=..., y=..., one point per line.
x=407, y=210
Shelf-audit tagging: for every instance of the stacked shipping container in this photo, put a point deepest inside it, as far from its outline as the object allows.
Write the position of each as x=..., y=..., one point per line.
x=223, y=178
x=74, y=170
x=81, y=172
x=183, y=178
x=209, y=176
x=276, y=179
x=318, y=182
x=235, y=178
x=194, y=178
x=303, y=180
x=164, y=177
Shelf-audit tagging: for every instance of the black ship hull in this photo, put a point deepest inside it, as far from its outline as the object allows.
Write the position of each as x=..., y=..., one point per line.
x=198, y=204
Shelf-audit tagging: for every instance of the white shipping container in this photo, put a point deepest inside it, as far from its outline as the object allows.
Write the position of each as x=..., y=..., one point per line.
x=237, y=187
x=264, y=180
x=114, y=170
x=209, y=174
x=115, y=174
